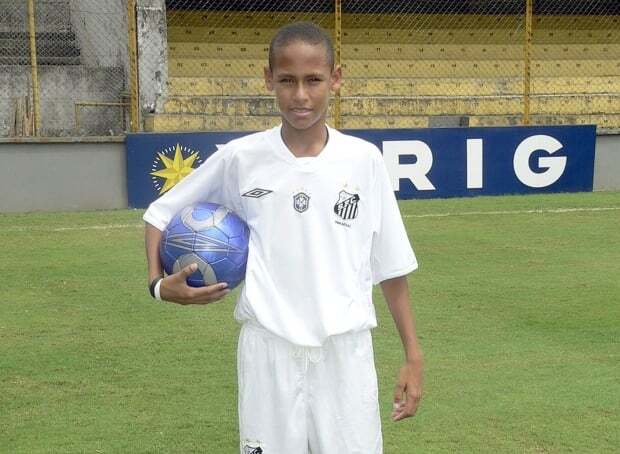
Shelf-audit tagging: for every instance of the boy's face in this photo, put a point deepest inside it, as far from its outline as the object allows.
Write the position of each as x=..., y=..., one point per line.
x=302, y=79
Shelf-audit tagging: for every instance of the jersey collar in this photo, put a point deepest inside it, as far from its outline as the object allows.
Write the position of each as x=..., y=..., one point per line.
x=307, y=164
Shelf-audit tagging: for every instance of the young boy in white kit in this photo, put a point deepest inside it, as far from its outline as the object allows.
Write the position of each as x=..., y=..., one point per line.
x=325, y=227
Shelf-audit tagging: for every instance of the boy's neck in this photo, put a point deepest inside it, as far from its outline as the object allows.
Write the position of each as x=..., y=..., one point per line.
x=305, y=143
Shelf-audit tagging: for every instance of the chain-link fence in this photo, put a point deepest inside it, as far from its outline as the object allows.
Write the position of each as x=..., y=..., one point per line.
x=199, y=63
x=405, y=63
x=217, y=51
x=576, y=63
x=441, y=63
x=64, y=67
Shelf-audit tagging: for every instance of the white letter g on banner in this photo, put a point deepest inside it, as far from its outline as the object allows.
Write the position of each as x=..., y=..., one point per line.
x=555, y=165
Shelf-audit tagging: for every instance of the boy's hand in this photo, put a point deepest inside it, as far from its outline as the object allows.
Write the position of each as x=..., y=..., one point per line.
x=408, y=392
x=174, y=289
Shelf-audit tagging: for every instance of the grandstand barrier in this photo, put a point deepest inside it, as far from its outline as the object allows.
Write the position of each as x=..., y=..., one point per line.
x=423, y=163
x=607, y=163
x=63, y=174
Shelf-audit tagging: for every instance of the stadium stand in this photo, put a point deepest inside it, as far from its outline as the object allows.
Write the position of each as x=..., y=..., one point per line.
x=56, y=45
x=401, y=69
x=67, y=75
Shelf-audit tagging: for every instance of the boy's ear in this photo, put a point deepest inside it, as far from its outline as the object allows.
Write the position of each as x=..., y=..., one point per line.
x=336, y=78
x=268, y=78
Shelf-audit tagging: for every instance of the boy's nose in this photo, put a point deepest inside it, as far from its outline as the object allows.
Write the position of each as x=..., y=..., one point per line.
x=301, y=92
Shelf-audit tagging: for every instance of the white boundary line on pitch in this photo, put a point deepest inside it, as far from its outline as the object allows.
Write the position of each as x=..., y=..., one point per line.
x=406, y=216
x=68, y=229
x=494, y=213
x=98, y=227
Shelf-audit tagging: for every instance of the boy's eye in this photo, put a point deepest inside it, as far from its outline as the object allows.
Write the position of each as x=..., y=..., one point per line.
x=286, y=80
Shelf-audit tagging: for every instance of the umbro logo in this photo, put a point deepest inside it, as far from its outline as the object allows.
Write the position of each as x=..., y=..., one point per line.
x=257, y=193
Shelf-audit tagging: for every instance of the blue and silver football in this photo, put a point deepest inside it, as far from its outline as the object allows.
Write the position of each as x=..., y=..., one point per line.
x=213, y=237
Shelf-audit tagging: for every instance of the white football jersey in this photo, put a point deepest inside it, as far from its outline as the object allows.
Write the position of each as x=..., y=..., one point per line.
x=322, y=230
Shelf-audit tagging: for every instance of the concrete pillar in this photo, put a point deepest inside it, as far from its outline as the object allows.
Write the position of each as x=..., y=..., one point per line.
x=152, y=54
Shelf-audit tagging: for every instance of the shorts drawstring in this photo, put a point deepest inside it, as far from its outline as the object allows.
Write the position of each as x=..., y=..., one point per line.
x=308, y=355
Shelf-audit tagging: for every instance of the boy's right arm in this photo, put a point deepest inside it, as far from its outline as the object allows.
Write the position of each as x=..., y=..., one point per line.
x=174, y=287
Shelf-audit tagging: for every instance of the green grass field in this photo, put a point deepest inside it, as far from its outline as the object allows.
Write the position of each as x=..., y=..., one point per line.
x=517, y=303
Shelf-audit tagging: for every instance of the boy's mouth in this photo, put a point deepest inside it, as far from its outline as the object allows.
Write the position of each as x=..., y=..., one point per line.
x=301, y=112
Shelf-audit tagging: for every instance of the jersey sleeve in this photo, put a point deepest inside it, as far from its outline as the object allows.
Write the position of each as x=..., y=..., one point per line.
x=391, y=254
x=214, y=181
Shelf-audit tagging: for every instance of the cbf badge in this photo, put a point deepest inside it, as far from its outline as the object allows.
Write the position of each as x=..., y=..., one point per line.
x=301, y=202
x=171, y=165
x=346, y=206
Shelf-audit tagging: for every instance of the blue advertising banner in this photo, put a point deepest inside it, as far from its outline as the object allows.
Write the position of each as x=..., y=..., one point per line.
x=422, y=163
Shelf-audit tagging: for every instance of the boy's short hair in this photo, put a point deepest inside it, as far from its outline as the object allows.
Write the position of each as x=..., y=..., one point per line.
x=306, y=32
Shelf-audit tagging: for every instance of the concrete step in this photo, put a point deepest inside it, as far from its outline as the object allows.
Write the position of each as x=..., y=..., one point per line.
x=455, y=86
x=18, y=49
x=41, y=60
x=253, y=19
x=603, y=122
x=401, y=106
x=51, y=37
x=57, y=48
x=174, y=122
x=414, y=86
x=243, y=67
x=417, y=34
x=478, y=52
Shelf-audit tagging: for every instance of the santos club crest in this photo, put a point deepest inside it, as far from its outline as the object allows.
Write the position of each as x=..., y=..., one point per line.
x=346, y=206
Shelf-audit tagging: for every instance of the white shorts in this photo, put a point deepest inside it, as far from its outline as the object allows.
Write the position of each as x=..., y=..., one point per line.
x=300, y=400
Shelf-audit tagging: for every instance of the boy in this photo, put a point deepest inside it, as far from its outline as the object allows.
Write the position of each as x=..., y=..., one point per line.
x=324, y=227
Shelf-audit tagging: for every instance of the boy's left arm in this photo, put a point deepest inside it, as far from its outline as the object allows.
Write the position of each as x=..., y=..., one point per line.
x=408, y=390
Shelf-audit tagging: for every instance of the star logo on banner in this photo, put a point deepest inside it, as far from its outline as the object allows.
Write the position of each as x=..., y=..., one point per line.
x=172, y=165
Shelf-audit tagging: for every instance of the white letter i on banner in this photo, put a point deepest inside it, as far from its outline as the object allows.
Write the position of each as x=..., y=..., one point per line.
x=474, y=163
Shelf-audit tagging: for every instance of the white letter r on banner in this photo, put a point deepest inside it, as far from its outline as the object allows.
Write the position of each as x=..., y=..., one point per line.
x=414, y=172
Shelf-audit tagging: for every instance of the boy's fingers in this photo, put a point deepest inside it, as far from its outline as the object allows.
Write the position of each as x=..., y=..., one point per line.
x=398, y=403
x=399, y=389
x=211, y=292
x=188, y=271
x=407, y=408
x=209, y=289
